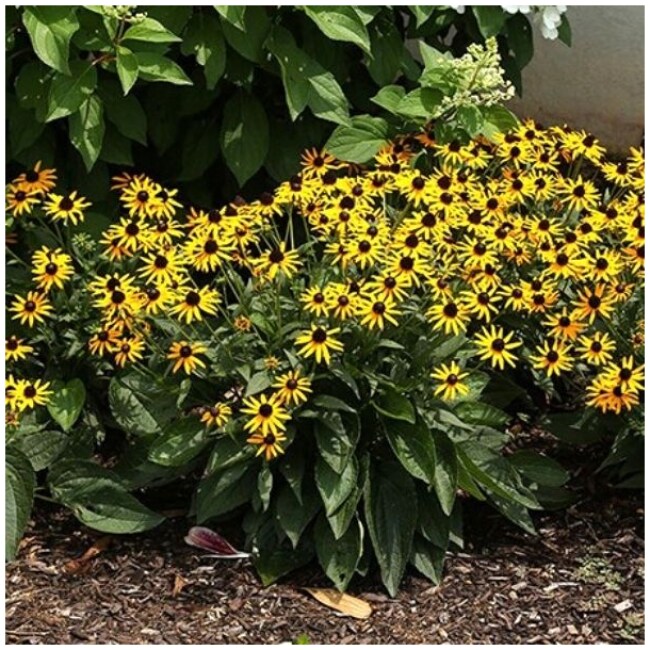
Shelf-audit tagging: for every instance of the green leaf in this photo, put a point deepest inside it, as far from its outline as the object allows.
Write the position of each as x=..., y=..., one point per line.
x=481, y=413
x=446, y=477
x=127, y=67
x=66, y=403
x=386, y=49
x=68, y=93
x=360, y=141
x=139, y=406
x=150, y=31
x=420, y=103
x=539, y=468
x=337, y=436
x=326, y=97
x=340, y=23
x=32, y=85
x=490, y=20
x=227, y=453
x=497, y=119
x=248, y=40
x=391, y=519
x=40, y=447
x=244, y=135
x=50, y=30
x=276, y=560
x=294, y=516
x=428, y=559
x=200, y=148
x=421, y=13
x=433, y=523
x=234, y=14
x=339, y=557
x=203, y=37
x=515, y=512
x=24, y=131
x=414, y=447
x=335, y=488
x=20, y=483
x=331, y=403
x=520, y=39
x=389, y=97
x=126, y=113
x=225, y=490
x=155, y=67
x=394, y=405
x=258, y=382
x=87, y=130
x=564, y=31
x=495, y=473
x=180, y=442
x=470, y=118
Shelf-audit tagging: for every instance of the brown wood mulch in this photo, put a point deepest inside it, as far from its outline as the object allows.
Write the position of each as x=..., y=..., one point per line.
x=580, y=581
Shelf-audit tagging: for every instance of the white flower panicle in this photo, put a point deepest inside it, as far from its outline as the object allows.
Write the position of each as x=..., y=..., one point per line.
x=547, y=17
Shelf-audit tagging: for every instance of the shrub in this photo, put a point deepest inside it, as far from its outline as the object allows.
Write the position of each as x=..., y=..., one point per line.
x=340, y=360
x=232, y=95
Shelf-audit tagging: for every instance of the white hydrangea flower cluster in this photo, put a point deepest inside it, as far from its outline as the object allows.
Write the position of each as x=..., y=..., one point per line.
x=479, y=78
x=547, y=17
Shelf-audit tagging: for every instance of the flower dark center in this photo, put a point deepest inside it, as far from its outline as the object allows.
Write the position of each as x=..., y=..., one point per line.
x=153, y=293
x=552, y=356
x=596, y=346
x=214, y=216
x=12, y=344
x=291, y=384
x=142, y=196
x=30, y=392
x=20, y=195
x=417, y=183
x=318, y=298
x=210, y=247
x=126, y=348
x=601, y=264
x=444, y=182
x=498, y=345
x=160, y=262
x=51, y=269
x=266, y=198
x=446, y=198
x=452, y=379
x=66, y=203
x=562, y=259
x=585, y=228
x=118, y=297
x=539, y=299
x=483, y=298
x=343, y=301
x=625, y=374
x=594, y=302
x=412, y=241
x=570, y=237
x=364, y=246
x=492, y=204
x=193, y=298
x=31, y=176
x=390, y=283
x=132, y=229
x=102, y=336
x=517, y=293
x=185, y=351
x=379, y=308
x=428, y=220
x=579, y=191
x=450, y=310
x=265, y=411
x=479, y=249
x=347, y=203
x=406, y=264
x=319, y=335
x=276, y=256
x=269, y=439
x=564, y=321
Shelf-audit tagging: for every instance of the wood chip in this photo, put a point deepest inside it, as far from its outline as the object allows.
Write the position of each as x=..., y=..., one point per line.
x=623, y=606
x=80, y=564
x=179, y=583
x=344, y=603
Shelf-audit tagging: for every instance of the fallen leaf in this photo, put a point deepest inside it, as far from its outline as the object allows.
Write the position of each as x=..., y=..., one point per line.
x=79, y=564
x=348, y=605
x=179, y=583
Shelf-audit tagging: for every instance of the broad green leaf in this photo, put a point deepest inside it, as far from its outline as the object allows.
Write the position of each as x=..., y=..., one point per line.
x=126, y=113
x=394, y=405
x=471, y=119
x=331, y=403
x=495, y=473
x=150, y=31
x=276, y=560
x=20, y=483
x=421, y=103
x=359, y=141
x=294, y=516
x=32, y=85
x=200, y=148
x=180, y=442
x=414, y=447
x=497, y=119
x=340, y=23
x=86, y=129
x=203, y=38
x=326, y=97
x=481, y=413
x=520, y=38
x=23, y=129
x=116, y=149
x=225, y=490
x=41, y=447
x=339, y=557
x=71, y=477
x=516, y=512
x=244, y=135
x=428, y=559
x=490, y=19
x=66, y=403
x=433, y=523
x=50, y=30
x=258, y=382
x=421, y=13
x=292, y=466
x=386, y=49
x=68, y=93
x=446, y=477
x=156, y=67
x=539, y=468
x=335, y=488
x=227, y=453
x=564, y=31
x=234, y=14
x=249, y=39
x=389, y=97
x=127, y=67
x=337, y=435
x=391, y=519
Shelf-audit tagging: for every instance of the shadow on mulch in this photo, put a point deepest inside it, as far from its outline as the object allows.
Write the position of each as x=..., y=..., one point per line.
x=581, y=580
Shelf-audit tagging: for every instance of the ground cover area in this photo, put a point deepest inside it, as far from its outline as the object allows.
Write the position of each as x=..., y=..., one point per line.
x=581, y=580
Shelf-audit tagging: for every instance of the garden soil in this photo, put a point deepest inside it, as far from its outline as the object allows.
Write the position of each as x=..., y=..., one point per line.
x=580, y=581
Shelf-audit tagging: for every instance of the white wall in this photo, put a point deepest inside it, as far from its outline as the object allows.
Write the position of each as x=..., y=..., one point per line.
x=596, y=84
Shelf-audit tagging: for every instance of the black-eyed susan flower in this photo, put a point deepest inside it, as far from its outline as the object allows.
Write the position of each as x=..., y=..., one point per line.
x=596, y=349
x=602, y=394
x=161, y=267
x=217, y=415
x=340, y=301
x=592, y=303
x=314, y=301
x=319, y=342
x=450, y=378
x=563, y=326
x=33, y=308
x=193, y=303
x=316, y=163
x=278, y=260
x=267, y=415
x=625, y=373
x=104, y=340
x=450, y=316
x=494, y=345
x=31, y=393
x=129, y=350
x=20, y=201
x=16, y=349
x=185, y=356
x=578, y=194
x=67, y=208
x=37, y=179
x=268, y=444
x=51, y=268
x=292, y=388
x=140, y=197
x=375, y=311
x=553, y=357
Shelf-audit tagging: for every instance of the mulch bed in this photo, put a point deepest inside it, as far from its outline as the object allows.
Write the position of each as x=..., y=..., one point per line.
x=581, y=580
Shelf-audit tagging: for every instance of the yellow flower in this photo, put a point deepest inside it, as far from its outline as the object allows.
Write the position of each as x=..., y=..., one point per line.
x=268, y=415
x=33, y=308
x=68, y=208
x=51, y=268
x=29, y=394
x=496, y=346
x=319, y=342
x=451, y=381
x=292, y=388
x=15, y=349
x=184, y=354
x=553, y=357
x=216, y=415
